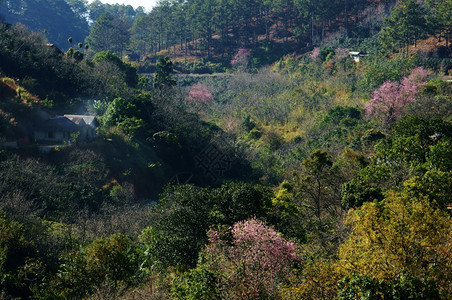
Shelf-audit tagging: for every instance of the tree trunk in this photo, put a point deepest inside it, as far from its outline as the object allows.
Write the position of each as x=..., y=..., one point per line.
x=346, y=17
x=186, y=47
x=312, y=28
x=319, y=191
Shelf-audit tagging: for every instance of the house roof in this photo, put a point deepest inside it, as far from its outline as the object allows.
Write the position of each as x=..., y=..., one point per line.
x=83, y=119
x=358, y=53
x=59, y=123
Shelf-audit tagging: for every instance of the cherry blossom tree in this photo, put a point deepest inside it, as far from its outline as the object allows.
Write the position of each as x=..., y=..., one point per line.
x=254, y=259
x=315, y=53
x=241, y=58
x=389, y=100
x=199, y=94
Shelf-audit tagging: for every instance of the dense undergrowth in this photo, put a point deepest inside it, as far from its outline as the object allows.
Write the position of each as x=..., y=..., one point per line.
x=312, y=178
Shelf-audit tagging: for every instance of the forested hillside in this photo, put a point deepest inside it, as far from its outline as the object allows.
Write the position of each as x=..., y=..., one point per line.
x=204, y=29
x=313, y=162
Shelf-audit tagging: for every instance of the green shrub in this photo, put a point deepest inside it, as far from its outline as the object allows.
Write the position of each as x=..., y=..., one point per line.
x=198, y=283
x=255, y=134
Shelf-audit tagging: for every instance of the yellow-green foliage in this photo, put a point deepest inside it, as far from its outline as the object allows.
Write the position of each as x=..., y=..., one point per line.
x=399, y=235
x=283, y=201
x=318, y=280
x=8, y=81
x=22, y=95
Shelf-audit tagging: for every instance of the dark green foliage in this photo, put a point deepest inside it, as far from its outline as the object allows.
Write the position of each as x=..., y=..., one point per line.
x=130, y=73
x=379, y=70
x=198, y=283
x=424, y=129
x=265, y=53
x=372, y=135
x=404, y=287
x=255, y=134
x=123, y=114
x=342, y=125
x=238, y=201
x=72, y=280
x=415, y=146
x=179, y=230
x=14, y=250
x=326, y=54
x=26, y=55
x=108, y=34
x=339, y=113
x=413, y=137
x=439, y=156
x=162, y=77
x=406, y=23
x=112, y=259
x=185, y=213
x=360, y=287
x=355, y=193
x=49, y=16
x=29, y=250
x=410, y=287
x=78, y=56
x=434, y=184
x=273, y=139
x=247, y=123
x=96, y=8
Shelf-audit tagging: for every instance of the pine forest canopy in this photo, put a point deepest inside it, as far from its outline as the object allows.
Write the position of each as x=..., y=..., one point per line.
x=221, y=27
x=146, y=4
x=206, y=28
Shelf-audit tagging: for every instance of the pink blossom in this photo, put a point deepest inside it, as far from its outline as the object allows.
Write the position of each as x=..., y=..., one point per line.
x=389, y=100
x=418, y=74
x=199, y=94
x=241, y=58
x=255, y=262
x=315, y=53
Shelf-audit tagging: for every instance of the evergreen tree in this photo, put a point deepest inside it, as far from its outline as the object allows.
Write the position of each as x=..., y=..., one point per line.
x=406, y=25
x=51, y=16
x=109, y=33
x=162, y=76
x=440, y=17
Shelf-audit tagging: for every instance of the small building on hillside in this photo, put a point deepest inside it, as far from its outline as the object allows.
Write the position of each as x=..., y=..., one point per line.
x=61, y=129
x=356, y=55
x=87, y=125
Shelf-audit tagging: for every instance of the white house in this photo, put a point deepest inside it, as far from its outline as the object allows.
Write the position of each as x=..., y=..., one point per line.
x=356, y=55
x=60, y=129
